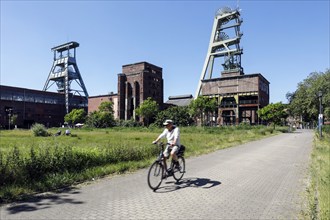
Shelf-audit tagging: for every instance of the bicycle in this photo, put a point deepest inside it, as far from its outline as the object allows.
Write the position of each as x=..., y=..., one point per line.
x=157, y=171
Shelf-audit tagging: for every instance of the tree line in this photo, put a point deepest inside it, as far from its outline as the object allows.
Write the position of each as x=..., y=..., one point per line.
x=303, y=105
x=149, y=110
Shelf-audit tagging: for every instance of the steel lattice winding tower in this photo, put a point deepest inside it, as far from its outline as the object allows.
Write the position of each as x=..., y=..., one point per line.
x=224, y=42
x=64, y=71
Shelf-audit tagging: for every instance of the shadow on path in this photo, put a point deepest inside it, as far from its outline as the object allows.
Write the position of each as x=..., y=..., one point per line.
x=202, y=183
x=44, y=201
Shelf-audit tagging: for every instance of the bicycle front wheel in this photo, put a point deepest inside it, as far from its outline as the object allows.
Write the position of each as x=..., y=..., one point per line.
x=155, y=175
x=179, y=172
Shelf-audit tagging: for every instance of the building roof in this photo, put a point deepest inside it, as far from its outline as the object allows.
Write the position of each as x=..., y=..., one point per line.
x=180, y=100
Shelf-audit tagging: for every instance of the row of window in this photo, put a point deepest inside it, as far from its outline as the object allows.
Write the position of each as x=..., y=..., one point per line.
x=38, y=99
x=31, y=98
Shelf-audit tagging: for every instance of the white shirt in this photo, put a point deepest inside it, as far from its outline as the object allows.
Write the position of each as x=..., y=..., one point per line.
x=171, y=136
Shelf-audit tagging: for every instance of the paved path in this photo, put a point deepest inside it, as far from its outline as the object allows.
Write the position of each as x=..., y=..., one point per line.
x=263, y=179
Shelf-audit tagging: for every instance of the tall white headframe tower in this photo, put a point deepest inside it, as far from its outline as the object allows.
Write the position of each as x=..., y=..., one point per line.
x=224, y=43
x=64, y=71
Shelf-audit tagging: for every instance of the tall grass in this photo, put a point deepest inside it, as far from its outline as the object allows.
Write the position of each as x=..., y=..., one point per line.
x=31, y=164
x=319, y=188
x=38, y=168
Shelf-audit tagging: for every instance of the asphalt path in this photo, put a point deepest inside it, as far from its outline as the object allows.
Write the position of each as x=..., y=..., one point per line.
x=263, y=179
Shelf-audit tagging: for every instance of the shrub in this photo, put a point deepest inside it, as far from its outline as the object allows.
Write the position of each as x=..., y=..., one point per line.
x=282, y=129
x=262, y=131
x=270, y=130
x=39, y=130
x=128, y=123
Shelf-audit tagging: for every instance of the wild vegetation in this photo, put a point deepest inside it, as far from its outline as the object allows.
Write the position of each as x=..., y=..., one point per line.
x=319, y=186
x=30, y=164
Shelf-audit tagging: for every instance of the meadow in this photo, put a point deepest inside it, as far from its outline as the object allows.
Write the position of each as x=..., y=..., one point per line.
x=30, y=164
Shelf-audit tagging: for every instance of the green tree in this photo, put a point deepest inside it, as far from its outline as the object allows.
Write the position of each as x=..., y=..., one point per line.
x=274, y=113
x=211, y=107
x=148, y=110
x=75, y=116
x=202, y=107
x=304, y=102
x=197, y=107
x=179, y=114
x=102, y=118
x=106, y=107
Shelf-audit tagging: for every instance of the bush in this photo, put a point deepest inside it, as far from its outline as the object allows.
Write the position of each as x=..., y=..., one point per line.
x=128, y=123
x=10, y=167
x=262, y=131
x=270, y=130
x=39, y=130
x=283, y=129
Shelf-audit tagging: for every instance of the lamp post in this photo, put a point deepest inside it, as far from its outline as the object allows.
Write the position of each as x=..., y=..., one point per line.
x=320, y=114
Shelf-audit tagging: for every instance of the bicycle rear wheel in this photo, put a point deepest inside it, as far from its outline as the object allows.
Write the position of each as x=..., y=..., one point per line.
x=155, y=175
x=179, y=172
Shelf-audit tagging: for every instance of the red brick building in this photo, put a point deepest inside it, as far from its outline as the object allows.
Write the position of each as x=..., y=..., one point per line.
x=136, y=83
x=95, y=101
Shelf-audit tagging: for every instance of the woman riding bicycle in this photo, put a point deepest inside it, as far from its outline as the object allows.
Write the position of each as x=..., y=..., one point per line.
x=172, y=134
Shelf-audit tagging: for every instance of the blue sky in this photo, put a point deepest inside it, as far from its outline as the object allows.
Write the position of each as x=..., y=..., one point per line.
x=283, y=40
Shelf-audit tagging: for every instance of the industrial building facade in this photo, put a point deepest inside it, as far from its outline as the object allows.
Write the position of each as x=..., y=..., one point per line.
x=23, y=107
x=239, y=97
x=136, y=83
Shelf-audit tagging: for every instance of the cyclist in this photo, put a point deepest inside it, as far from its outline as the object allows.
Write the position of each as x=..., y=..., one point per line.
x=172, y=134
